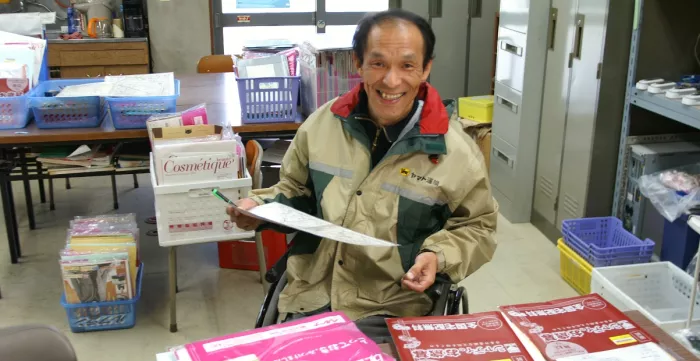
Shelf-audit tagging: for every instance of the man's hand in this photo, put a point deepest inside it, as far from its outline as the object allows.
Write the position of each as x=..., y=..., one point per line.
x=422, y=274
x=242, y=221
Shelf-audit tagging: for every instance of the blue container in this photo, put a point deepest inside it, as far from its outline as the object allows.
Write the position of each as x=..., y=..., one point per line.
x=51, y=112
x=269, y=100
x=14, y=112
x=101, y=316
x=133, y=112
x=604, y=242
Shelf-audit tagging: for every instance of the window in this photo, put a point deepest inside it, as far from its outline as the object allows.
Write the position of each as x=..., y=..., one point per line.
x=238, y=21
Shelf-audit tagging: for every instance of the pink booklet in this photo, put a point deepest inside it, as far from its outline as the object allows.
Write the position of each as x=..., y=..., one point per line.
x=329, y=336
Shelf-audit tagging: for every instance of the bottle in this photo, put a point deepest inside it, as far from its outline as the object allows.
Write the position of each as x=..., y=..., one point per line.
x=77, y=23
x=69, y=18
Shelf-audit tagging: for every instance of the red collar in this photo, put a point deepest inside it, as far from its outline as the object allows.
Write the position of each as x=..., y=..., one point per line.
x=433, y=118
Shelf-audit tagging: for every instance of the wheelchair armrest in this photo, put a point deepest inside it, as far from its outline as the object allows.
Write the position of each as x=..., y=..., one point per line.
x=278, y=269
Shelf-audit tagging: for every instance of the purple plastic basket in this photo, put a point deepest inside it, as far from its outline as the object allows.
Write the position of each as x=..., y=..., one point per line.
x=269, y=100
x=604, y=242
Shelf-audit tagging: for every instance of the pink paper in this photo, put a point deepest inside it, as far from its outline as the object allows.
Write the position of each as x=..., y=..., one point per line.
x=195, y=116
x=329, y=336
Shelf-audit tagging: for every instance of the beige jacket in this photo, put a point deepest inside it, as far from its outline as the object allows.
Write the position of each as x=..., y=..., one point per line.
x=429, y=192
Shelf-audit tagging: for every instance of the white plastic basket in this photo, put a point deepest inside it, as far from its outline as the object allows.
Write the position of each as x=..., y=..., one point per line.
x=190, y=214
x=661, y=291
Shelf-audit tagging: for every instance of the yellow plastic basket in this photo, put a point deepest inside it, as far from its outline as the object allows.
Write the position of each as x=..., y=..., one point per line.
x=574, y=269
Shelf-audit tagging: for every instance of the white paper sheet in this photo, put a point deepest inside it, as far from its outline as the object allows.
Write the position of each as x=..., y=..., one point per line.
x=643, y=352
x=141, y=85
x=289, y=217
x=38, y=46
x=86, y=90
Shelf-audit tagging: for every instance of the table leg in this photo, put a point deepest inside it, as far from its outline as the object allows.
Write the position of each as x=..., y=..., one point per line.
x=6, y=207
x=136, y=181
x=13, y=217
x=114, y=191
x=172, y=263
x=42, y=190
x=27, y=190
x=67, y=183
x=52, y=204
x=262, y=263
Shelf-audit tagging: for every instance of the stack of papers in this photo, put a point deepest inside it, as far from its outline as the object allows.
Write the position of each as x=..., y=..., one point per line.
x=84, y=157
x=23, y=50
x=141, y=85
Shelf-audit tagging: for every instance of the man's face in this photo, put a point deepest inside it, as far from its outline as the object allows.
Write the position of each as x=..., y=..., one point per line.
x=393, y=70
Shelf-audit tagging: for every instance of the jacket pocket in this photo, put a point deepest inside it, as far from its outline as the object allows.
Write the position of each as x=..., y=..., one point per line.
x=417, y=220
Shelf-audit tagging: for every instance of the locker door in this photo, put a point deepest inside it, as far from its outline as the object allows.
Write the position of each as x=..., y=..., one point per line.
x=587, y=53
x=450, y=22
x=554, y=106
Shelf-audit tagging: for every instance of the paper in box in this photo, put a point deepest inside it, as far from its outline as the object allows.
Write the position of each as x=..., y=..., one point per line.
x=329, y=336
x=575, y=326
x=475, y=337
x=207, y=161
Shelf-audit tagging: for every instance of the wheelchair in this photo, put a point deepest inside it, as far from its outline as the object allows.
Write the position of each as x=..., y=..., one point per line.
x=448, y=298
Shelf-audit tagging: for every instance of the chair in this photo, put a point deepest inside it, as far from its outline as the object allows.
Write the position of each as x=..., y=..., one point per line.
x=254, y=155
x=34, y=343
x=215, y=64
x=447, y=297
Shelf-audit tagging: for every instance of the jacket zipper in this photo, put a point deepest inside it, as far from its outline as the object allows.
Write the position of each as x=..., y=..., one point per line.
x=376, y=139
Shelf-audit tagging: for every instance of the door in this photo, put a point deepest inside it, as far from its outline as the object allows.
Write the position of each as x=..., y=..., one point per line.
x=561, y=34
x=450, y=22
x=586, y=56
x=236, y=22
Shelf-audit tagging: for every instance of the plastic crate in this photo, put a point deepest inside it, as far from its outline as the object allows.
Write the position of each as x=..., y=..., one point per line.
x=660, y=291
x=574, y=269
x=243, y=254
x=603, y=241
x=71, y=112
x=100, y=316
x=268, y=100
x=14, y=112
x=133, y=112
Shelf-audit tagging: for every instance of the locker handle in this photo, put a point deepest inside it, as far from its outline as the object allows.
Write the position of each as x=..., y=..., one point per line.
x=503, y=157
x=551, y=36
x=578, y=43
x=507, y=103
x=511, y=48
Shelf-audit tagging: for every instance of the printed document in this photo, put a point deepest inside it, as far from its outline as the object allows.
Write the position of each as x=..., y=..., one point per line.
x=289, y=217
x=644, y=352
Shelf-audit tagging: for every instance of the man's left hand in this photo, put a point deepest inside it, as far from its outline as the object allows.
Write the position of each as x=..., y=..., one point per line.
x=422, y=275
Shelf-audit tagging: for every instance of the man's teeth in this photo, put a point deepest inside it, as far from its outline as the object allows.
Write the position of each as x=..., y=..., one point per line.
x=390, y=96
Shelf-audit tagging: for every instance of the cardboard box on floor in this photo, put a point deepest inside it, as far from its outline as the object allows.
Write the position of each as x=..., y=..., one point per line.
x=481, y=133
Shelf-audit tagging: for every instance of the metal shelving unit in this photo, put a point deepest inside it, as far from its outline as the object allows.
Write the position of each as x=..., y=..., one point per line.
x=662, y=46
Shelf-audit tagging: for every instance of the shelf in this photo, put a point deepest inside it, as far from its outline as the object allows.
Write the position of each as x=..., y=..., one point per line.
x=669, y=108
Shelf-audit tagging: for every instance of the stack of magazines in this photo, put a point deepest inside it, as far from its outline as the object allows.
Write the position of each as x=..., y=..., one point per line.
x=101, y=259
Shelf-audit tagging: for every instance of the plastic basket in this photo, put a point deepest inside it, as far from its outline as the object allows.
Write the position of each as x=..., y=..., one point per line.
x=574, y=269
x=71, y=112
x=267, y=100
x=100, y=316
x=603, y=241
x=661, y=291
x=133, y=112
x=14, y=112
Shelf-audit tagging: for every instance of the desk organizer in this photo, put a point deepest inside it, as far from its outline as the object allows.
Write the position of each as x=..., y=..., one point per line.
x=71, y=112
x=660, y=291
x=269, y=100
x=14, y=112
x=101, y=316
x=189, y=213
x=132, y=112
x=604, y=242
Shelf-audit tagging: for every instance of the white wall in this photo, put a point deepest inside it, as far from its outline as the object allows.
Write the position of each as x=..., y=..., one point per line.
x=179, y=31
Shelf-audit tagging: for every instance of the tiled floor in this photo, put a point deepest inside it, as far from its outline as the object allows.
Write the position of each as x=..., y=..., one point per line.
x=211, y=301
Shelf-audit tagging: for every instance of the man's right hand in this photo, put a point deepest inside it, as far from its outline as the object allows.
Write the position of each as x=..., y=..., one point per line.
x=244, y=222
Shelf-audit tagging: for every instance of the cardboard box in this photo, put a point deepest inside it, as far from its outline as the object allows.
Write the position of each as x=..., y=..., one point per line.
x=481, y=133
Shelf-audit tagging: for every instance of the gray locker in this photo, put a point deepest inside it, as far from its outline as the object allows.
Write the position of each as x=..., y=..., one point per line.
x=583, y=102
x=521, y=54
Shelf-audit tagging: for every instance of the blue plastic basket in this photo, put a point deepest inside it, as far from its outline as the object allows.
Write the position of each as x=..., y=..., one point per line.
x=101, y=316
x=269, y=100
x=71, y=112
x=133, y=112
x=604, y=242
x=14, y=112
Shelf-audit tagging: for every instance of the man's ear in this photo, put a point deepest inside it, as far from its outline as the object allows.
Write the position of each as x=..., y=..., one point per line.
x=358, y=64
x=426, y=70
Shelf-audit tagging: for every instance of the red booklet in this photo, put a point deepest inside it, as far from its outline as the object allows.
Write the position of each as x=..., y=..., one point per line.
x=477, y=337
x=575, y=326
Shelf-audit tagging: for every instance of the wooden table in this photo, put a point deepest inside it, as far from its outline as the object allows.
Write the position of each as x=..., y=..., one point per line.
x=668, y=343
x=218, y=91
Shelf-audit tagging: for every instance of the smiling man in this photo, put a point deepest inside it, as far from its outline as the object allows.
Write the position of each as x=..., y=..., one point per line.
x=384, y=160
